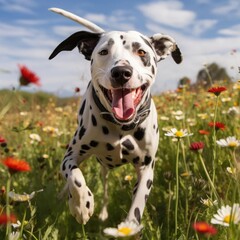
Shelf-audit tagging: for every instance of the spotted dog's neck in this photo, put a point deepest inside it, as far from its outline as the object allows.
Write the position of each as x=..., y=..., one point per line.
x=142, y=113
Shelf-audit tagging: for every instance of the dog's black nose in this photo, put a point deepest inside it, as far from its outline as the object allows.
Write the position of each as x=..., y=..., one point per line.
x=121, y=74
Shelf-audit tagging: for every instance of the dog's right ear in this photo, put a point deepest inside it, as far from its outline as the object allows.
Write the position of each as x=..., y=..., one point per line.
x=86, y=42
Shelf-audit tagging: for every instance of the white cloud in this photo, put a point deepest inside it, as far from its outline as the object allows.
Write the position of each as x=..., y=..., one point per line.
x=96, y=18
x=229, y=7
x=20, y=6
x=170, y=13
x=202, y=25
x=231, y=31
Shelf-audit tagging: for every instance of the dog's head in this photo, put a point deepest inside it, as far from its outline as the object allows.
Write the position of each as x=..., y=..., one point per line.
x=123, y=66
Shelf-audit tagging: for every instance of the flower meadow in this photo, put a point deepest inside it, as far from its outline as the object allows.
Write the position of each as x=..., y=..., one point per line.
x=195, y=194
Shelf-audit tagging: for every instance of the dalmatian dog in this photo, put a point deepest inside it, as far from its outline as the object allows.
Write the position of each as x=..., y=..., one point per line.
x=117, y=118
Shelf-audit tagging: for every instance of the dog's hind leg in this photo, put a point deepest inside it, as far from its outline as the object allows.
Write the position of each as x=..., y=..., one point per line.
x=104, y=212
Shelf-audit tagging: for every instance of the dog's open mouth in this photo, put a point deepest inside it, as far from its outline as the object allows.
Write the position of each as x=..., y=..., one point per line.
x=124, y=101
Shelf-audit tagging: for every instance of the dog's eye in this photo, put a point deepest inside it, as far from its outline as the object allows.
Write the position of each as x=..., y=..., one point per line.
x=103, y=52
x=141, y=53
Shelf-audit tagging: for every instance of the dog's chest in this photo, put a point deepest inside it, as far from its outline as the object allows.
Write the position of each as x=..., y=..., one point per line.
x=111, y=145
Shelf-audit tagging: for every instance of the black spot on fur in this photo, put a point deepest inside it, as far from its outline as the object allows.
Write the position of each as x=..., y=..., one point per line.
x=153, y=70
x=94, y=121
x=77, y=183
x=146, y=60
x=149, y=183
x=121, y=36
x=136, y=160
x=125, y=152
x=153, y=163
x=82, y=152
x=124, y=160
x=93, y=143
x=69, y=154
x=110, y=166
x=89, y=194
x=109, y=147
x=74, y=141
x=147, y=160
x=88, y=204
x=73, y=167
x=139, y=134
x=110, y=42
x=66, y=175
x=124, y=42
x=135, y=46
x=128, y=144
x=137, y=214
x=81, y=122
x=64, y=165
x=105, y=130
x=82, y=132
x=85, y=147
x=82, y=108
x=109, y=159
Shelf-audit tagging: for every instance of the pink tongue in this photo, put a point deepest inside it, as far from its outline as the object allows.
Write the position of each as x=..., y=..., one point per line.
x=122, y=104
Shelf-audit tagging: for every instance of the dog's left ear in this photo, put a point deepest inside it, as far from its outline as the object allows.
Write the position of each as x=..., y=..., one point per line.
x=165, y=45
x=86, y=42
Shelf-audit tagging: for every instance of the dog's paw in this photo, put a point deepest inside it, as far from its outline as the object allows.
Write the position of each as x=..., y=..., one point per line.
x=81, y=202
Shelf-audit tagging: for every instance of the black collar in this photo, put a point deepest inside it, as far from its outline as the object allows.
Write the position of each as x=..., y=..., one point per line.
x=142, y=113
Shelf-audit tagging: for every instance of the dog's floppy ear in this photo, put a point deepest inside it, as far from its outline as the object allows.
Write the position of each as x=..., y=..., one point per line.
x=165, y=45
x=86, y=42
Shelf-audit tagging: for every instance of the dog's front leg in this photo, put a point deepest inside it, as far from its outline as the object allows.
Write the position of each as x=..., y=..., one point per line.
x=141, y=192
x=81, y=202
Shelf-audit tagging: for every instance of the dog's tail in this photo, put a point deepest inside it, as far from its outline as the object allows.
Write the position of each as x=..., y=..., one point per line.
x=91, y=26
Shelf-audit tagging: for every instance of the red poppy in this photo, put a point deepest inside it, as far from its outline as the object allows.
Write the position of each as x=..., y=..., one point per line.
x=16, y=165
x=203, y=132
x=217, y=125
x=204, y=228
x=196, y=146
x=2, y=140
x=4, y=219
x=27, y=77
x=217, y=90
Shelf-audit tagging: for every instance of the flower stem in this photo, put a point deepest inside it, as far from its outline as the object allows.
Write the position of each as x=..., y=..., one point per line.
x=8, y=229
x=177, y=189
x=214, y=142
x=83, y=231
x=208, y=177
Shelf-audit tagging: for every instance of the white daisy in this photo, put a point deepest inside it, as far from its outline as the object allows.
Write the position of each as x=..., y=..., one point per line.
x=229, y=142
x=226, y=215
x=124, y=229
x=35, y=137
x=178, y=133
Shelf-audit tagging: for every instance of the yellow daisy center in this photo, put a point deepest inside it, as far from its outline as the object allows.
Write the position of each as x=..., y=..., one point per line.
x=179, y=134
x=232, y=144
x=125, y=230
x=227, y=219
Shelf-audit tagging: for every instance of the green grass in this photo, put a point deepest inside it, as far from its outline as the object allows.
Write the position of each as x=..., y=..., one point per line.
x=47, y=217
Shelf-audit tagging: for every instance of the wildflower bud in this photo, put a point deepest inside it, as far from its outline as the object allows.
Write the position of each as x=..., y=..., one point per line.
x=197, y=146
x=168, y=176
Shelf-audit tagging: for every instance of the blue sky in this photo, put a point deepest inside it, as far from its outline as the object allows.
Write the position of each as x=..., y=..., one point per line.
x=206, y=31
